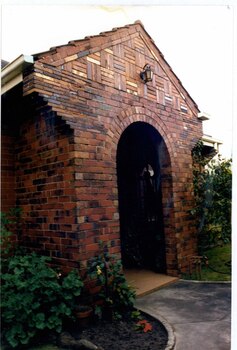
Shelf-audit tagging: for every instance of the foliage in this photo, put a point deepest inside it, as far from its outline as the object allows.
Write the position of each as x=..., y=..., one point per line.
x=35, y=297
x=8, y=221
x=115, y=292
x=136, y=314
x=212, y=190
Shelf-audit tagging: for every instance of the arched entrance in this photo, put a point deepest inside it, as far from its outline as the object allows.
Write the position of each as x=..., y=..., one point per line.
x=140, y=198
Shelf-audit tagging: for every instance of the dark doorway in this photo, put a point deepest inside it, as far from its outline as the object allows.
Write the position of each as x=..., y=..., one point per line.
x=140, y=198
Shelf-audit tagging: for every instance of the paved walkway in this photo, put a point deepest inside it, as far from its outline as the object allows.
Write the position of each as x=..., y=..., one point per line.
x=198, y=312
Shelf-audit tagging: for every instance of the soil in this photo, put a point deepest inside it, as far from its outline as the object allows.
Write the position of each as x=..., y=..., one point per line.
x=122, y=335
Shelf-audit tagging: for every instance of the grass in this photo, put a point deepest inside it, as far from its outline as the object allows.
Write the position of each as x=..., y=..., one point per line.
x=219, y=265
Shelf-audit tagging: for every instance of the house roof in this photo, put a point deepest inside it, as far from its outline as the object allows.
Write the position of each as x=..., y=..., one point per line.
x=12, y=73
x=90, y=44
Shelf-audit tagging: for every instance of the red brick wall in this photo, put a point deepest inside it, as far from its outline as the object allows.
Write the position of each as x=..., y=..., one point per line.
x=10, y=114
x=66, y=170
x=8, y=195
x=45, y=186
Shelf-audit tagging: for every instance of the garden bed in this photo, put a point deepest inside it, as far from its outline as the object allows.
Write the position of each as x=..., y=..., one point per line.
x=115, y=335
x=122, y=335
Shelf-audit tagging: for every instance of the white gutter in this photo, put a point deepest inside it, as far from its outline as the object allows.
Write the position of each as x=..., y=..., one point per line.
x=203, y=116
x=12, y=72
x=211, y=142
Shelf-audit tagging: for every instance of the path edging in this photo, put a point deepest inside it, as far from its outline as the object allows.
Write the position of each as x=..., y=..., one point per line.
x=171, y=336
x=207, y=282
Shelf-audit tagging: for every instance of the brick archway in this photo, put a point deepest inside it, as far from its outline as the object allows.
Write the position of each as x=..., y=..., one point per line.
x=121, y=123
x=142, y=114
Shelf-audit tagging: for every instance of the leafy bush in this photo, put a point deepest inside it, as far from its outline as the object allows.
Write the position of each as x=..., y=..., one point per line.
x=212, y=189
x=35, y=297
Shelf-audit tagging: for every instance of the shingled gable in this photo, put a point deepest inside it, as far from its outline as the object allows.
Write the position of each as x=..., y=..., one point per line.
x=83, y=113
x=96, y=48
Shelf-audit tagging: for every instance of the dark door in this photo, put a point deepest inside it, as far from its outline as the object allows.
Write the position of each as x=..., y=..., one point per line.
x=140, y=198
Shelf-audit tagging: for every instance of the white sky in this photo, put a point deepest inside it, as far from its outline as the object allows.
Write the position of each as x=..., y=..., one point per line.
x=197, y=41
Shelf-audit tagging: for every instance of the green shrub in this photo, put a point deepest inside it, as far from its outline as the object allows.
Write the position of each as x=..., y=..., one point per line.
x=212, y=189
x=35, y=297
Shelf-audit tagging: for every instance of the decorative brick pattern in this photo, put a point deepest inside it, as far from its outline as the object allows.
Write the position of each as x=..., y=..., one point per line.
x=86, y=94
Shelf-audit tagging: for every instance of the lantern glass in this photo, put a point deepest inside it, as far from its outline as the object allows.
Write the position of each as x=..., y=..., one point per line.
x=147, y=73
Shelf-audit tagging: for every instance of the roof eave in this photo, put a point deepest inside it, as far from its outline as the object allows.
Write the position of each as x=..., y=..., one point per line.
x=211, y=142
x=12, y=73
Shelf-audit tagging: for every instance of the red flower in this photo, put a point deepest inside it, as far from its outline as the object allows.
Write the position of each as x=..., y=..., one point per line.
x=145, y=325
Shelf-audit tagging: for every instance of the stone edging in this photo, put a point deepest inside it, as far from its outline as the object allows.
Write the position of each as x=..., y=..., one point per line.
x=207, y=282
x=171, y=337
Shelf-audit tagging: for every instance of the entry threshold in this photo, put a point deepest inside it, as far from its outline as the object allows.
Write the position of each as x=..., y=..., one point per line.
x=145, y=281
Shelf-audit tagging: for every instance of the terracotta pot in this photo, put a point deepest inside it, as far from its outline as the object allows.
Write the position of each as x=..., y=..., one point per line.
x=108, y=312
x=84, y=316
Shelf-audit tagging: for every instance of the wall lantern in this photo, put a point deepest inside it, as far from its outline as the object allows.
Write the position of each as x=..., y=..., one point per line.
x=147, y=74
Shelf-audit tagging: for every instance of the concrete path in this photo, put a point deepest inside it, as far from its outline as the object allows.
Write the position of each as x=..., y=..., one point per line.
x=198, y=312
